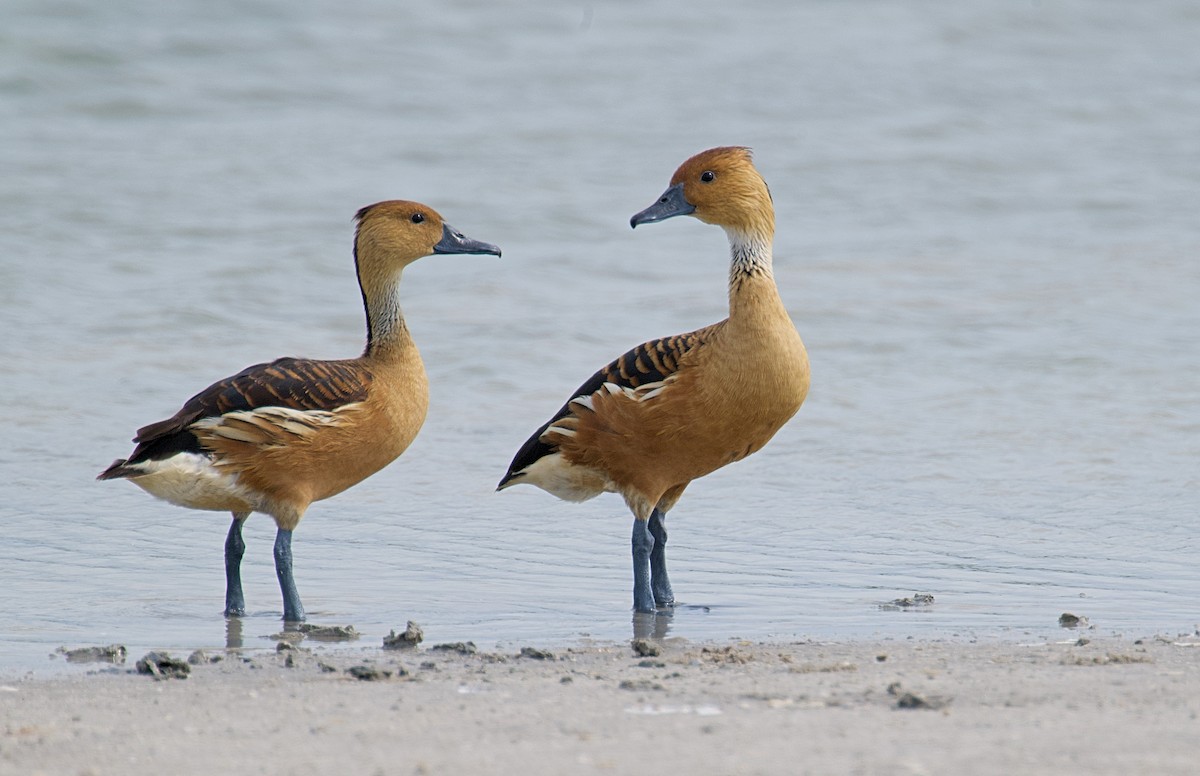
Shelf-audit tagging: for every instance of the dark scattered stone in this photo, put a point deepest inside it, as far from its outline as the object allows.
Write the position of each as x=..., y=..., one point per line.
x=565, y=680
x=651, y=664
x=199, y=657
x=461, y=647
x=880, y=658
x=916, y=601
x=285, y=646
x=368, y=673
x=113, y=653
x=411, y=637
x=640, y=684
x=910, y=700
x=290, y=661
x=536, y=654
x=1112, y=658
x=326, y=668
x=646, y=647
x=329, y=632
x=1068, y=620
x=1083, y=642
x=162, y=666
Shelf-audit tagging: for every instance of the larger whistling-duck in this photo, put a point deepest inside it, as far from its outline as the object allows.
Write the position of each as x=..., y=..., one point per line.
x=276, y=437
x=678, y=408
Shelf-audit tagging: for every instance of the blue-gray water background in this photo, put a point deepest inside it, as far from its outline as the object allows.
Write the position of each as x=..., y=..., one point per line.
x=988, y=235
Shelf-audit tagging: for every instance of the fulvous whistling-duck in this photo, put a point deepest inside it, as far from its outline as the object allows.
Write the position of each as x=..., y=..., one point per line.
x=678, y=408
x=276, y=437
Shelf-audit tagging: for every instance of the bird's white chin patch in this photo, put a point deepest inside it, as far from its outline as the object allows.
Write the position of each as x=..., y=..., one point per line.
x=191, y=480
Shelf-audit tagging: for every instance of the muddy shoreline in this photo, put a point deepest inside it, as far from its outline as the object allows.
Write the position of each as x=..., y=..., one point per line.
x=899, y=707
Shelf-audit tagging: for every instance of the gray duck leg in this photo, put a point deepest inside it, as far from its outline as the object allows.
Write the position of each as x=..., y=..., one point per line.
x=235, y=603
x=643, y=544
x=660, y=584
x=293, y=610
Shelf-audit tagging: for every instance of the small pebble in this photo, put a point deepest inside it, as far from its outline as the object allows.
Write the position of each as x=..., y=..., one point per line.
x=411, y=637
x=461, y=647
x=368, y=673
x=199, y=657
x=329, y=632
x=1068, y=620
x=160, y=665
x=113, y=653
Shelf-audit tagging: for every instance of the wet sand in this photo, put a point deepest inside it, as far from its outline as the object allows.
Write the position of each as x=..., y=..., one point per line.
x=1099, y=706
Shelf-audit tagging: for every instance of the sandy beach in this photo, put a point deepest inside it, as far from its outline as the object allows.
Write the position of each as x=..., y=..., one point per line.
x=1082, y=705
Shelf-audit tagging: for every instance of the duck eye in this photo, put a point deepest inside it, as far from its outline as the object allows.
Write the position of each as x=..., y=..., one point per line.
x=418, y=218
x=707, y=176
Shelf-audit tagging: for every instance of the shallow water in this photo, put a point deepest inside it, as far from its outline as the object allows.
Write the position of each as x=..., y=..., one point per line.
x=987, y=237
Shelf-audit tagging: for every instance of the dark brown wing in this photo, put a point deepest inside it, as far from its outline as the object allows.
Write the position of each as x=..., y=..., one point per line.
x=650, y=362
x=299, y=384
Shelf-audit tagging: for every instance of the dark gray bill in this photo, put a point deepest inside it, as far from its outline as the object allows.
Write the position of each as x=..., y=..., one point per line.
x=454, y=241
x=672, y=203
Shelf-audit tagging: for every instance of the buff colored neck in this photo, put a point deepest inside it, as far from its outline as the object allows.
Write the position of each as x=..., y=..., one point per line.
x=751, y=279
x=387, y=333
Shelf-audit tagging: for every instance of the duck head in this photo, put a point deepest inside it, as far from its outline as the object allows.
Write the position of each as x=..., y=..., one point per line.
x=393, y=234
x=718, y=186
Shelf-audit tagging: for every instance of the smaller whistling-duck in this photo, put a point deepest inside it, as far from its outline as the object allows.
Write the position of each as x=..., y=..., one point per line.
x=675, y=409
x=276, y=437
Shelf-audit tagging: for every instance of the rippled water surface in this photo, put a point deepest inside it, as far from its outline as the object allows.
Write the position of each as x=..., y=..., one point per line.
x=987, y=235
